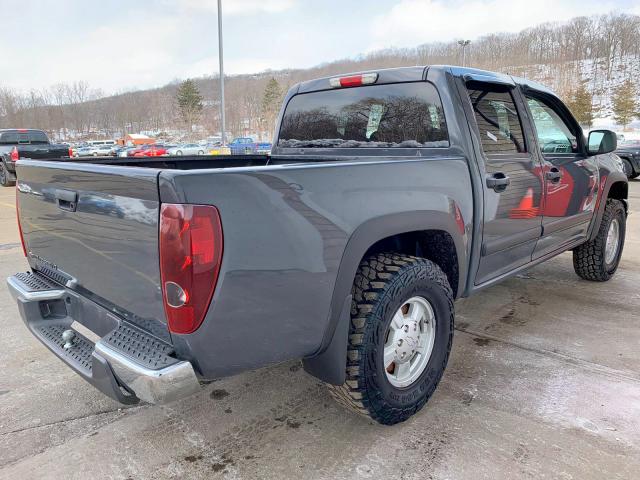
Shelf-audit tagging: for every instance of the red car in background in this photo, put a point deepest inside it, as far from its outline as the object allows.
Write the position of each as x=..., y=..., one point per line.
x=149, y=151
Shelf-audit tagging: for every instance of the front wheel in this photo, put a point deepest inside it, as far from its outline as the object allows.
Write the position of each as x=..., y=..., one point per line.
x=598, y=259
x=399, y=339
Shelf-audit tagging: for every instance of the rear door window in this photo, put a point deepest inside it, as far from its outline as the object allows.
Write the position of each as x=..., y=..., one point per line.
x=497, y=119
x=401, y=115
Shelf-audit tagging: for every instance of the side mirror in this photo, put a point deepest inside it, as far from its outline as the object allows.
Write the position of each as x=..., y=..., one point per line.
x=601, y=141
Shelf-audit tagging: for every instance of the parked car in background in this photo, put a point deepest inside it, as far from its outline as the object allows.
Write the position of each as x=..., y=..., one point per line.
x=126, y=151
x=25, y=143
x=370, y=226
x=152, y=150
x=629, y=153
x=187, y=149
x=218, y=149
x=263, y=147
x=243, y=146
x=94, y=151
x=115, y=149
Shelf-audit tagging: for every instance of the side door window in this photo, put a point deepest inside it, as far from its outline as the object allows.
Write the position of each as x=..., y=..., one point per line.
x=498, y=122
x=554, y=135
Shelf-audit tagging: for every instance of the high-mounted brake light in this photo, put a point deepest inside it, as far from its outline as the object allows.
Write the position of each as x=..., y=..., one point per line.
x=15, y=156
x=190, y=258
x=354, y=80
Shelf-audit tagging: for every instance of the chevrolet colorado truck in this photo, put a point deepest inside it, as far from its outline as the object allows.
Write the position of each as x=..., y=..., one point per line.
x=25, y=143
x=387, y=196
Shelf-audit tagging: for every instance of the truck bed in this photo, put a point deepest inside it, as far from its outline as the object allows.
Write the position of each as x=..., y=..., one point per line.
x=186, y=162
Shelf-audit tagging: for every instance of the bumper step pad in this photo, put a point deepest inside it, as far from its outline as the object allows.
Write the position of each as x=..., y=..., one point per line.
x=80, y=352
x=140, y=347
x=35, y=282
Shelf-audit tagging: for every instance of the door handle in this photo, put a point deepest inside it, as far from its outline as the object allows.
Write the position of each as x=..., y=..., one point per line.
x=67, y=200
x=498, y=181
x=554, y=175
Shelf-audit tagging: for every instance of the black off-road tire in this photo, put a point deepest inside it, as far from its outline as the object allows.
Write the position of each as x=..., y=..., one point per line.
x=384, y=282
x=5, y=177
x=589, y=258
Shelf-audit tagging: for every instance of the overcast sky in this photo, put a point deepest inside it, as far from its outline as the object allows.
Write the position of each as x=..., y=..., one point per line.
x=123, y=44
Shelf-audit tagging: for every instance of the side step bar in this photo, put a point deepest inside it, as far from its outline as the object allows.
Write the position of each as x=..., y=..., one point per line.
x=127, y=364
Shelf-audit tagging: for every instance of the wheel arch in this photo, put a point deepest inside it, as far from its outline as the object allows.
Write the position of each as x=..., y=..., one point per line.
x=396, y=232
x=616, y=185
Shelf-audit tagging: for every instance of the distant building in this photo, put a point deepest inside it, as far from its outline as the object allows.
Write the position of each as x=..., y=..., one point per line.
x=136, y=139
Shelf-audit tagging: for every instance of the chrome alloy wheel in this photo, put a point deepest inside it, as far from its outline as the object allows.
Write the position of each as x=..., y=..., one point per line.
x=613, y=239
x=409, y=342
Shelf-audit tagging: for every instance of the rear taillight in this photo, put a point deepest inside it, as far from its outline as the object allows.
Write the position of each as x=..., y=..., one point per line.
x=354, y=80
x=24, y=247
x=70, y=152
x=15, y=156
x=190, y=257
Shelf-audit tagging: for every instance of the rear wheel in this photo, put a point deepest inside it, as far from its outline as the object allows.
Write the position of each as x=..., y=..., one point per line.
x=6, y=179
x=200, y=152
x=400, y=337
x=598, y=259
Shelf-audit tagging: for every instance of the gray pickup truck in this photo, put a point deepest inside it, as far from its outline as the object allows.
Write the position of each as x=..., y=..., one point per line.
x=17, y=143
x=387, y=196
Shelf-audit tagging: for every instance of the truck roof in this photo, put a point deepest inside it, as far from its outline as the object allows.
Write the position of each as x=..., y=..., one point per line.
x=417, y=73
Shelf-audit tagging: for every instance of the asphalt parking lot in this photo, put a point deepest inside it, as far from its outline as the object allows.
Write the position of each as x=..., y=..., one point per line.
x=543, y=382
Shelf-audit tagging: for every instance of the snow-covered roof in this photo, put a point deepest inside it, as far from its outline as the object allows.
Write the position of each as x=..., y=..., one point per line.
x=138, y=136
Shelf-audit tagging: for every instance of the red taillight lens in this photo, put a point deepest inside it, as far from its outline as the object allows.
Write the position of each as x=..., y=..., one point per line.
x=190, y=258
x=70, y=152
x=354, y=81
x=24, y=247
x=15, y=156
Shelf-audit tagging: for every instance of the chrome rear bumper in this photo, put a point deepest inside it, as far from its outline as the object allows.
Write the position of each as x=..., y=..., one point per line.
x=127, y=371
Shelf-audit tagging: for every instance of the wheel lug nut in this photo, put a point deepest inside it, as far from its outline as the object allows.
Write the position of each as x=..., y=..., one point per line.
x=400, y=342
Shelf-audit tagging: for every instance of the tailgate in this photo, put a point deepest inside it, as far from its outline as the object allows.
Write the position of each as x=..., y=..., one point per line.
x=37, y=152
x=95, y=228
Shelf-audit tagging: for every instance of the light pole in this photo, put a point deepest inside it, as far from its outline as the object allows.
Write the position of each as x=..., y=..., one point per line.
x=220, y=55
x=464, y=44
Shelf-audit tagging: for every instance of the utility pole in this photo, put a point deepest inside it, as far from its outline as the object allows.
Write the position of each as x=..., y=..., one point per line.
x=464, y=44
x=220, y=56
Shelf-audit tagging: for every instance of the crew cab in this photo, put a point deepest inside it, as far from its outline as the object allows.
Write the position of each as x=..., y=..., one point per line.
x=387, y=196
x=25, y=143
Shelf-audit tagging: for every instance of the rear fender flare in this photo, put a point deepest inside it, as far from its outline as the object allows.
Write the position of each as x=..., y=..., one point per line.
x=612, y=177
x=328, y=364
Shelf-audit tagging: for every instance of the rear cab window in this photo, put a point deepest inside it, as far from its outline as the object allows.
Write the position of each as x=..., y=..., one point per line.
x=400, y=115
